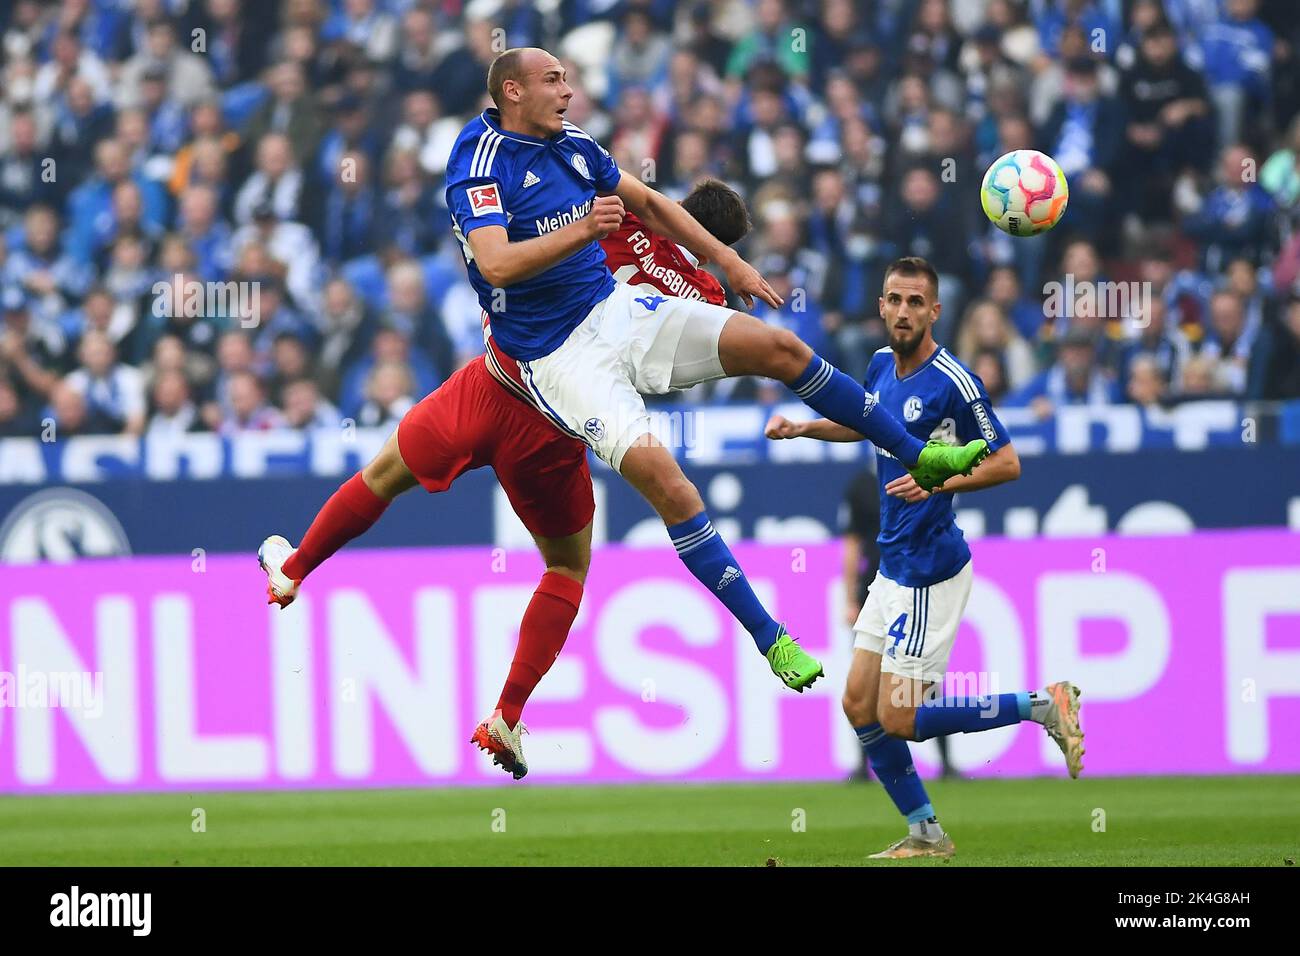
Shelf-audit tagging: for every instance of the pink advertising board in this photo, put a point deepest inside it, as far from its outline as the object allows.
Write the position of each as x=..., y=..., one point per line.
x=167, y=673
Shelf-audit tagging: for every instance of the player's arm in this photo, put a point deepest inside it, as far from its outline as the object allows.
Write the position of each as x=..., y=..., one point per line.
x=823, y=429
x=998, y=468
x=663, y=216
x=504, y=263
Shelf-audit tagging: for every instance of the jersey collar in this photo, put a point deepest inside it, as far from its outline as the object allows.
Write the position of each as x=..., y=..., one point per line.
x=919, y=369
x=491, y=118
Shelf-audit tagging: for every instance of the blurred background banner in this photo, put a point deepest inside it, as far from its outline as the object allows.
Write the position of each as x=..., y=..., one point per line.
x=799, y=502
x=376, y=676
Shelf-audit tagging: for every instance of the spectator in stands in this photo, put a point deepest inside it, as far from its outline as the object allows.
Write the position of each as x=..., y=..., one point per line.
x=1237, y=52
x=409, y=209
x=275, y=184
x=342, y=322
x=389, y=395
x=290, y=362
x=248, y=409
x=305, y=408
x=1085, y=134
x=987, y=328
x=174, y=413
x=1169, y=125
x=16, y=418
x=1230, y=343
x=290, y=252
x=80, y=122
x=207, y=234
x=1280, y=174
x=388, y=347
x=769, y=41
x=66, y=414
x=991, y=368
x=1199, y=379
x=1236, y=218
x=189, y=77
x=25, y=174
x=50, y=278
x=411, y=315
x=1075, y=378
x=113, y=392
x=1278, y=363
x=1150, y=339
x=1147, y=385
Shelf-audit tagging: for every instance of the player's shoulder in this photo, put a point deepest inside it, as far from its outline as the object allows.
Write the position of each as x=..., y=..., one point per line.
x=581, y=138
x=951, y=373
x=480, y=152
x=878, y=361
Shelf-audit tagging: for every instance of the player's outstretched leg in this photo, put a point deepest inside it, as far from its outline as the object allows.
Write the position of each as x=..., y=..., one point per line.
x=348, y=513
x=1056, y=707
x=891, y=760
x=749, y=346
x=542, y=633
x=653, y=471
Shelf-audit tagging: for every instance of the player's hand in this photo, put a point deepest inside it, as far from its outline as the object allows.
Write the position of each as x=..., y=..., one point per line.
x=907, y=489
x=605, y=217
x=778, y=427
x=748, y=284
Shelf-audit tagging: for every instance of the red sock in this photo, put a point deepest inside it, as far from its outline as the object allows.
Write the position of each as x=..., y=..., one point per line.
x=542, y=634
x=349, y=512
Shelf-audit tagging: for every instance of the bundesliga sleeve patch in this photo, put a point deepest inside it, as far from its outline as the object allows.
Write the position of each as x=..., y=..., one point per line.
x=484, y=199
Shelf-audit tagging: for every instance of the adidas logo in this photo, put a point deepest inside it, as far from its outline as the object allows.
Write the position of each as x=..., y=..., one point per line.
x=727, y=577
x=530, y=179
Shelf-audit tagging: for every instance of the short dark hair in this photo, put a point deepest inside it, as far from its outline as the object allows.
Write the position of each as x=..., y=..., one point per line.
x=719, y=209
x=913, y=266
x=505, y=67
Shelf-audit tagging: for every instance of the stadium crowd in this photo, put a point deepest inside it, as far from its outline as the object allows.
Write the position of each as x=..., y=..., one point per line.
x=301, y=145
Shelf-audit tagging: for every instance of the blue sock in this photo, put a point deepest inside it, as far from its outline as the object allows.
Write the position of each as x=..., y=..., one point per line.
x=707, y=556
x=968, y=715
x=832, y=394
x=891, y=759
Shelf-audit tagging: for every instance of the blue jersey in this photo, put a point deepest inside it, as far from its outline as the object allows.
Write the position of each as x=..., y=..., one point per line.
x=920, y=543
x=531, y=187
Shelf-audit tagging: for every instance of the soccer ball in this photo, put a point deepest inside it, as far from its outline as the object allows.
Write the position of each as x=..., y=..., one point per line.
x=1024, y=192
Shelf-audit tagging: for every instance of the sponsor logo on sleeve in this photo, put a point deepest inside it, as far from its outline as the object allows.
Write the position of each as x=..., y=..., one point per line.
x=484, y=199
x=986, y=424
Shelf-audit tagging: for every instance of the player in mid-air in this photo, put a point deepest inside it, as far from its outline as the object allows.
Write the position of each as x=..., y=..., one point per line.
x=906, y=629
x=482, y=416
x=529, y=194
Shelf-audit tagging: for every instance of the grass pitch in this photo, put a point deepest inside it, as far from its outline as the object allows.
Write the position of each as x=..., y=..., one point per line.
x=1174, y=821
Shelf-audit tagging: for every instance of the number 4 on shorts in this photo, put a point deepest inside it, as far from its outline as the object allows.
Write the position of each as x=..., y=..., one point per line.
x=897, y=633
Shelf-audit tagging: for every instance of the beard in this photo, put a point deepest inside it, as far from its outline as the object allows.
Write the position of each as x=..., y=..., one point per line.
x=906, y=343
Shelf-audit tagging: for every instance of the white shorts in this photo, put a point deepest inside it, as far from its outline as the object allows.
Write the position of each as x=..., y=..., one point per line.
x=912, y=629
x=636, y=342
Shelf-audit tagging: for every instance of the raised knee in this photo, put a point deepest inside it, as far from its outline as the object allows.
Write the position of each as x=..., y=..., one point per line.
x=895, y=721
x=856, y=709
x=790, y=348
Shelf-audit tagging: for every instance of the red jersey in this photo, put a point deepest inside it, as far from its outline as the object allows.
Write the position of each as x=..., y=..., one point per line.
x=636, y=255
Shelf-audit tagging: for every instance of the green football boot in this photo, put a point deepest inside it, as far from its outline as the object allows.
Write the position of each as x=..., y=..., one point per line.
x=939, y=462
x=789, y=662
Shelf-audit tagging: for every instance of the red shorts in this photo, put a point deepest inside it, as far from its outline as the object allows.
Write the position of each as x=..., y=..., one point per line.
x=471, y=421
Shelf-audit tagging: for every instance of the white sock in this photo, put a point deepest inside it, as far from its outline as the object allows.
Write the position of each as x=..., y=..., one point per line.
x=927, y=830
x=1040, y=705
